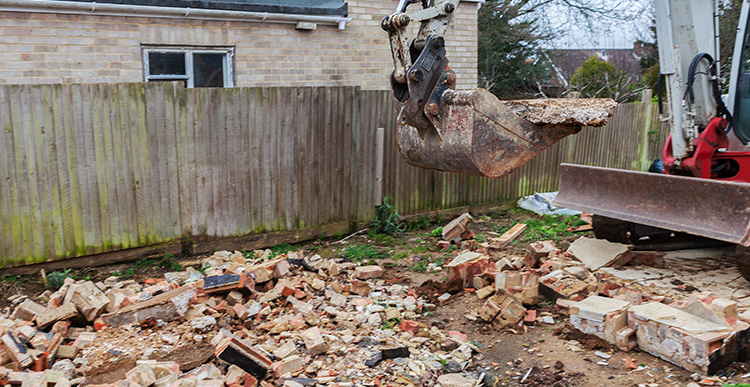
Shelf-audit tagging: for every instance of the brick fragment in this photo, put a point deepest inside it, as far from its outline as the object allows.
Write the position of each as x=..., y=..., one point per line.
x=453, y=230
x=368, y=272
x=63, y=312
x=166, y=306
x=28, y=310
x=234, y=351
x=314, y=341
x=17, y=351
x=89, y=300
x=287, y=366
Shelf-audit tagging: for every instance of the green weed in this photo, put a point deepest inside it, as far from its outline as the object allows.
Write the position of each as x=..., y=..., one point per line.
x=359, y=253
x=437, y=232
x=170, y=262
x=130, y=273
x=400, y=255
x=420, y=266
x=249, y=255
x=387, y=219
x=419, y=249
x=391, y=322
x=381, y=239
x=282, y=248
x=418, y=223
x=56, y=279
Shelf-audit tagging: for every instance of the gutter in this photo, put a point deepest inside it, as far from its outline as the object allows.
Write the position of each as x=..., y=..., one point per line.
x=80, y=8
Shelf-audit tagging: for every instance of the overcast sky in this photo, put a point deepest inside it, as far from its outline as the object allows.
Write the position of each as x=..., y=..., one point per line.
x=576, y=31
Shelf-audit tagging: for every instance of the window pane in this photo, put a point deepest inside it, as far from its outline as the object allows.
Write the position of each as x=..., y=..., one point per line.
x=208, y=70
x=183, y=80
x=163, y=63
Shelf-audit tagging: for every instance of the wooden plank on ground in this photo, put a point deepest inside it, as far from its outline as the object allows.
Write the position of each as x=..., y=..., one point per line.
x=508, y=236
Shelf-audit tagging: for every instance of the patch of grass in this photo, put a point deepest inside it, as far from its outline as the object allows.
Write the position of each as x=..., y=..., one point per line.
x=400, y=255
x=130, y=273
x=419, y=249
x=56, y=279
x=358, y=253
x=145, y=263
x=381, y=239
x=418, y=223
x=480, y=238
x=420, y=266
x=281, y=248
x=11, y=279
x=548, y=227
x=170, y=262
x=437, y=232
x=391, y=322
x=249, y=255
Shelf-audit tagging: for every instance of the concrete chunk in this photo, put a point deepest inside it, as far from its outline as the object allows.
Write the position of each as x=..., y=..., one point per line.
x=598, y=253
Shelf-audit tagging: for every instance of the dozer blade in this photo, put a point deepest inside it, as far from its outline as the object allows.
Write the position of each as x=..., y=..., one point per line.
x=475, y=133
x=710, y=208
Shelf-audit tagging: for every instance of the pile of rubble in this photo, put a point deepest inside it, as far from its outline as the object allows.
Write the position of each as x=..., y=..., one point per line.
x=288, y=320
x=295, y=320
x=698, y=331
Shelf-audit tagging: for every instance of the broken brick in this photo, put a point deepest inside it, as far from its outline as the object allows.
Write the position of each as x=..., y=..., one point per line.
x=63, y=312
x=453, y=230
x=368, y=272
x=289, y=365
x=234, y=351
x=166, y=307
x=28, y=310
x=314, y=341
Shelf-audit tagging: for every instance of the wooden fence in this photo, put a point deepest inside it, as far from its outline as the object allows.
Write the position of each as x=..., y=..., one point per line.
x=96, y=168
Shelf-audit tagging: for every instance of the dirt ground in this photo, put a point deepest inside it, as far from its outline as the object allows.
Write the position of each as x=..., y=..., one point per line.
x=532, y=356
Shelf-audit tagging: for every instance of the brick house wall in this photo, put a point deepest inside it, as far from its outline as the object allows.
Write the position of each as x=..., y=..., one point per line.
x=38, y=48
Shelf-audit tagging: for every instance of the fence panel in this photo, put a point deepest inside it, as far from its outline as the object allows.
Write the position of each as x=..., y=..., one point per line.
x=95, y=168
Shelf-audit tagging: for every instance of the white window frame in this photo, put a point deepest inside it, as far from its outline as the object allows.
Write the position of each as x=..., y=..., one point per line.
x=227, y=62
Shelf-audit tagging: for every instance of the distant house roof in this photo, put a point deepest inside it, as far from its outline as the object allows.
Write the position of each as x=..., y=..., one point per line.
x=568, y=61
x=300, y=7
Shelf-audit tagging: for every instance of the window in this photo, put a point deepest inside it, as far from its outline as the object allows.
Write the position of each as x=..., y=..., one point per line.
x=197, y=67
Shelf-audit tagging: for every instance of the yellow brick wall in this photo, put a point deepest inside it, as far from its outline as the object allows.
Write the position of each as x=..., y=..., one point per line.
x=63, y=48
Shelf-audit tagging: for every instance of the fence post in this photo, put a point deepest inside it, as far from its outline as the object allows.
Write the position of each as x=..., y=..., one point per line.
x=644, y=147
x=379, y=158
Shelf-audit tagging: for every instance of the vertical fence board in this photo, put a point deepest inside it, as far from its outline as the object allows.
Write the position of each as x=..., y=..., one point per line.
x=96, y=168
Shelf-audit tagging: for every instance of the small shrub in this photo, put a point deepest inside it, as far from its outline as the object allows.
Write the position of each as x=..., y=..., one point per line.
x=170, y=262
x=56, y=279
x=437, y=232
x=387, y=219
x=418, y=223
x=282, y=248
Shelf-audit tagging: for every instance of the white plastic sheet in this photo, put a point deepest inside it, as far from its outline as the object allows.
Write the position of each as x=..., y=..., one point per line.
x=541, y=204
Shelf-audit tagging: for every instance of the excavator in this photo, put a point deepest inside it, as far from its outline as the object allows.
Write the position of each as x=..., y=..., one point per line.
x=703, y=188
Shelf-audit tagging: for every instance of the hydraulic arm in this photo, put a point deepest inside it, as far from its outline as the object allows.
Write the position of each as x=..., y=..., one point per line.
x=470, y=132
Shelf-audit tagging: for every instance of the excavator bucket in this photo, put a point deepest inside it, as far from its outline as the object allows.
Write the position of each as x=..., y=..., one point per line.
x=475, y=133
x=711, y=208
x=470, y=132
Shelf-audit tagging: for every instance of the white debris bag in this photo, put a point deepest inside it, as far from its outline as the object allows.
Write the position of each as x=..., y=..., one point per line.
x=541, y=204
